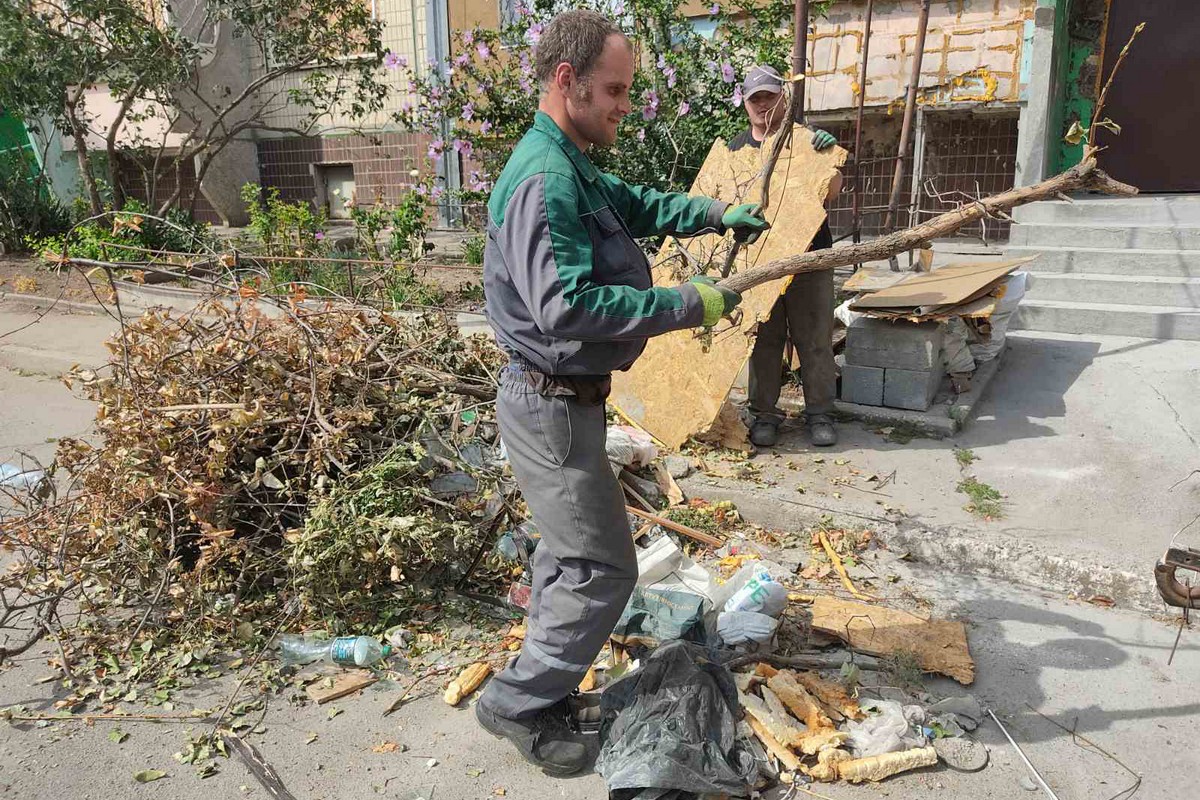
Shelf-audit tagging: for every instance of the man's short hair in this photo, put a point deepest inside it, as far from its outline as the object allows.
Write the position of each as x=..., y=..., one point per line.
x=576, y=37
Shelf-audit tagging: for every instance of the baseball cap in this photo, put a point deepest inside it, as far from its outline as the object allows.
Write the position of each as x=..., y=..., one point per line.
x=761, y=78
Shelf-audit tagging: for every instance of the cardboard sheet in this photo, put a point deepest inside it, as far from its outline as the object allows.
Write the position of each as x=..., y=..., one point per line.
x=948, y=286
x=678, y=386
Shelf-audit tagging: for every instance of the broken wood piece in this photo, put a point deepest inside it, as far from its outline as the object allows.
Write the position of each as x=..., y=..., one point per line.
x=467, y=681
x=833, y=695
x=667, y=484
x=803, y=705
x=589, y=680
x=1084, y=175
x=778, y=725
x=341, y=685
x=876, y=768
x=786, y=758
x=671, y=525
x=841, y=568
x=939, y=645
x=765, y=670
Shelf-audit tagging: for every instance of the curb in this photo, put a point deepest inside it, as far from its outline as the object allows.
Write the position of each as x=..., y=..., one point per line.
x=970, y=552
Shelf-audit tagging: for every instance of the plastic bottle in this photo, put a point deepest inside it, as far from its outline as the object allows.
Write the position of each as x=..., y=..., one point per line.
x=14, y=477
x=348, y=651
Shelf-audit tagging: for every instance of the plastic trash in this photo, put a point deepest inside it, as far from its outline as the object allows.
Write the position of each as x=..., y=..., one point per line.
x=746, y=627
x=671, y=727
x=845, y=315
x=964, y=708
x=1014, y=290
x=347, y=651
x=19, y=478
x=754, y=588
x=629, y=447
x=890, y=729
x=452, y=484
x=672, y=595
x=518, y=543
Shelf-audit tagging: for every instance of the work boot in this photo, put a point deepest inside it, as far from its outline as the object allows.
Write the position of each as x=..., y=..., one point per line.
x=764, y=433
x=542, y=738
x=821, y=431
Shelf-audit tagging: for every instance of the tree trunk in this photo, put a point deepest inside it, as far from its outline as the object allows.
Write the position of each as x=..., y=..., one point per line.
x=1085, y=175
x=79, y=134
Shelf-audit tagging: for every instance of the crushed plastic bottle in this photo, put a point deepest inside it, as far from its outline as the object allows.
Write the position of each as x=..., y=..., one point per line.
x=347, y=651
x=760, y=592
x=14, y=477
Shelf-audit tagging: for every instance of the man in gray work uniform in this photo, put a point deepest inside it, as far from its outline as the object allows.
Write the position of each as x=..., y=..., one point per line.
x=570, y=297
x=805, y=311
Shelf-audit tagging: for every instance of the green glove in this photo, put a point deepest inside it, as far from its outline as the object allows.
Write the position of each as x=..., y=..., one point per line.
x=746, y=222
x=822, y=140
x=718, y=301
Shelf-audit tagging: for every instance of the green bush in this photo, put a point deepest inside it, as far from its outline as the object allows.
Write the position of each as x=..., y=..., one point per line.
x=282, y=228
x=409, y=227
x=26, y=208
x=473, y=249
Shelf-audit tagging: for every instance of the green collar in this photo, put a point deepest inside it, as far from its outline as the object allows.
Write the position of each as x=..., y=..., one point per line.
x=543, y=123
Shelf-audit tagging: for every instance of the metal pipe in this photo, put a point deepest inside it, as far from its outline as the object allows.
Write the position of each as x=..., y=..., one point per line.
x=799, y=55
x=862, y=100
x=910, y=104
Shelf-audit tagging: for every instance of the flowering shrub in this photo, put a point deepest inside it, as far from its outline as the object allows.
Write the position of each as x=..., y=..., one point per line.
x=686, y=91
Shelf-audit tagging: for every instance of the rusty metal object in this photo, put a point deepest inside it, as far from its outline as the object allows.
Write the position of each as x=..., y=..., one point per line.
x=1172, y=591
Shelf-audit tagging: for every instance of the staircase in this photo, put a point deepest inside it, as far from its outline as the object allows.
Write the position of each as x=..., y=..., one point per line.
x=1122, y=267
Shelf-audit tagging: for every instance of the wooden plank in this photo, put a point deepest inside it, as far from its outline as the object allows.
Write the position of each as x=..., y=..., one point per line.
x=343, y=684
x=780, y=727
x=678, y=386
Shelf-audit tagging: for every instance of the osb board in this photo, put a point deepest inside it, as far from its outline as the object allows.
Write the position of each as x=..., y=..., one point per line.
x=939, y=645
x=676, y=389
x=946, y=286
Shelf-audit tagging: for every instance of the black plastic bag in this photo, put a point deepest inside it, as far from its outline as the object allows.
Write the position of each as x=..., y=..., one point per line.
x=669, y=730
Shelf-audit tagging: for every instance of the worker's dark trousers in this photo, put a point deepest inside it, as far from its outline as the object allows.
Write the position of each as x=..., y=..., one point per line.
x=805, y=313
x=585, y=567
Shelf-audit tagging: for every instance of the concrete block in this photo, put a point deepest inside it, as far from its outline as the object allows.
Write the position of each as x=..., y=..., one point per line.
x=910, y=389
x=900, y=345
x=862, y=385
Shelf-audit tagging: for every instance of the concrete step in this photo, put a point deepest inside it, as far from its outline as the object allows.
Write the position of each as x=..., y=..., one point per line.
x=1135, y=290
x=1110, y=261
x=1142, y=237
x=1146, y=322
x=1143, y=210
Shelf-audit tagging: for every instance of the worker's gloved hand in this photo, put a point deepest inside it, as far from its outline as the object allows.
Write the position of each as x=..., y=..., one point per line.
x=746, y=221
x=822, y=140
x=718, y=301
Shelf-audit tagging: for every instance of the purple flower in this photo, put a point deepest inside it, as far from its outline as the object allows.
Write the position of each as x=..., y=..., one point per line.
x=319, y=235
x=727, y=72
x=462, y=59
x=468, y=112
x=522, y=9
x=485, y=127
x=535, y=32
x=736, y=100
x=484, y=51
x=650, y=110
x=619, y=9
x=525, y=85
x=436, y=148
x=714, y=9
x=391, y=60
x=436, y=192
x=684, y=108
x=412, y=86
x=669, y=71
x=464, y=148
x=642, y=135
x=468, y=38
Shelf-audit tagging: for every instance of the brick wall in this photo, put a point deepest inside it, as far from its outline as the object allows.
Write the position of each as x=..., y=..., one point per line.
x=134, y=181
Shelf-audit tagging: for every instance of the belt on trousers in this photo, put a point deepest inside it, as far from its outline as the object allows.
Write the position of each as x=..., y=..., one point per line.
x=588, y=390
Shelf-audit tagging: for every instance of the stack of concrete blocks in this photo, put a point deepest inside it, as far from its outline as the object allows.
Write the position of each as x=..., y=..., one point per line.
x=893, y=364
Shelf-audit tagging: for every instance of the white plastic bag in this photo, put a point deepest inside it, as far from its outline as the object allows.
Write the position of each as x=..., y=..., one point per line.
x=745, y=627
x=629, y=447
x=1014, y=290
x=891, y=729
x=754, y=587
x=956, y=352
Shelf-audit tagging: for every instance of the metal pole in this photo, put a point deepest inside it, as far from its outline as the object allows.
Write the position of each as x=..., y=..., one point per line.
x=862, y=100
x=910, y=104
x=799, y=55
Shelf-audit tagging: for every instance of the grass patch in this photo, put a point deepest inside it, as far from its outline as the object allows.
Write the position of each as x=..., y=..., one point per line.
x=985, y=499
x=964, y=456
x=902, y=432
x=903, y=669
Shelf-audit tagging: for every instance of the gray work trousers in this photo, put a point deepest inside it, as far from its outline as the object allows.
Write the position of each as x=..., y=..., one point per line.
x=805, y=314
x=585, y=567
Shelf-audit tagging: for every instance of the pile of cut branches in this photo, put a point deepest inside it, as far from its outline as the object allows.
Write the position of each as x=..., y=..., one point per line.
x=333, y=462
